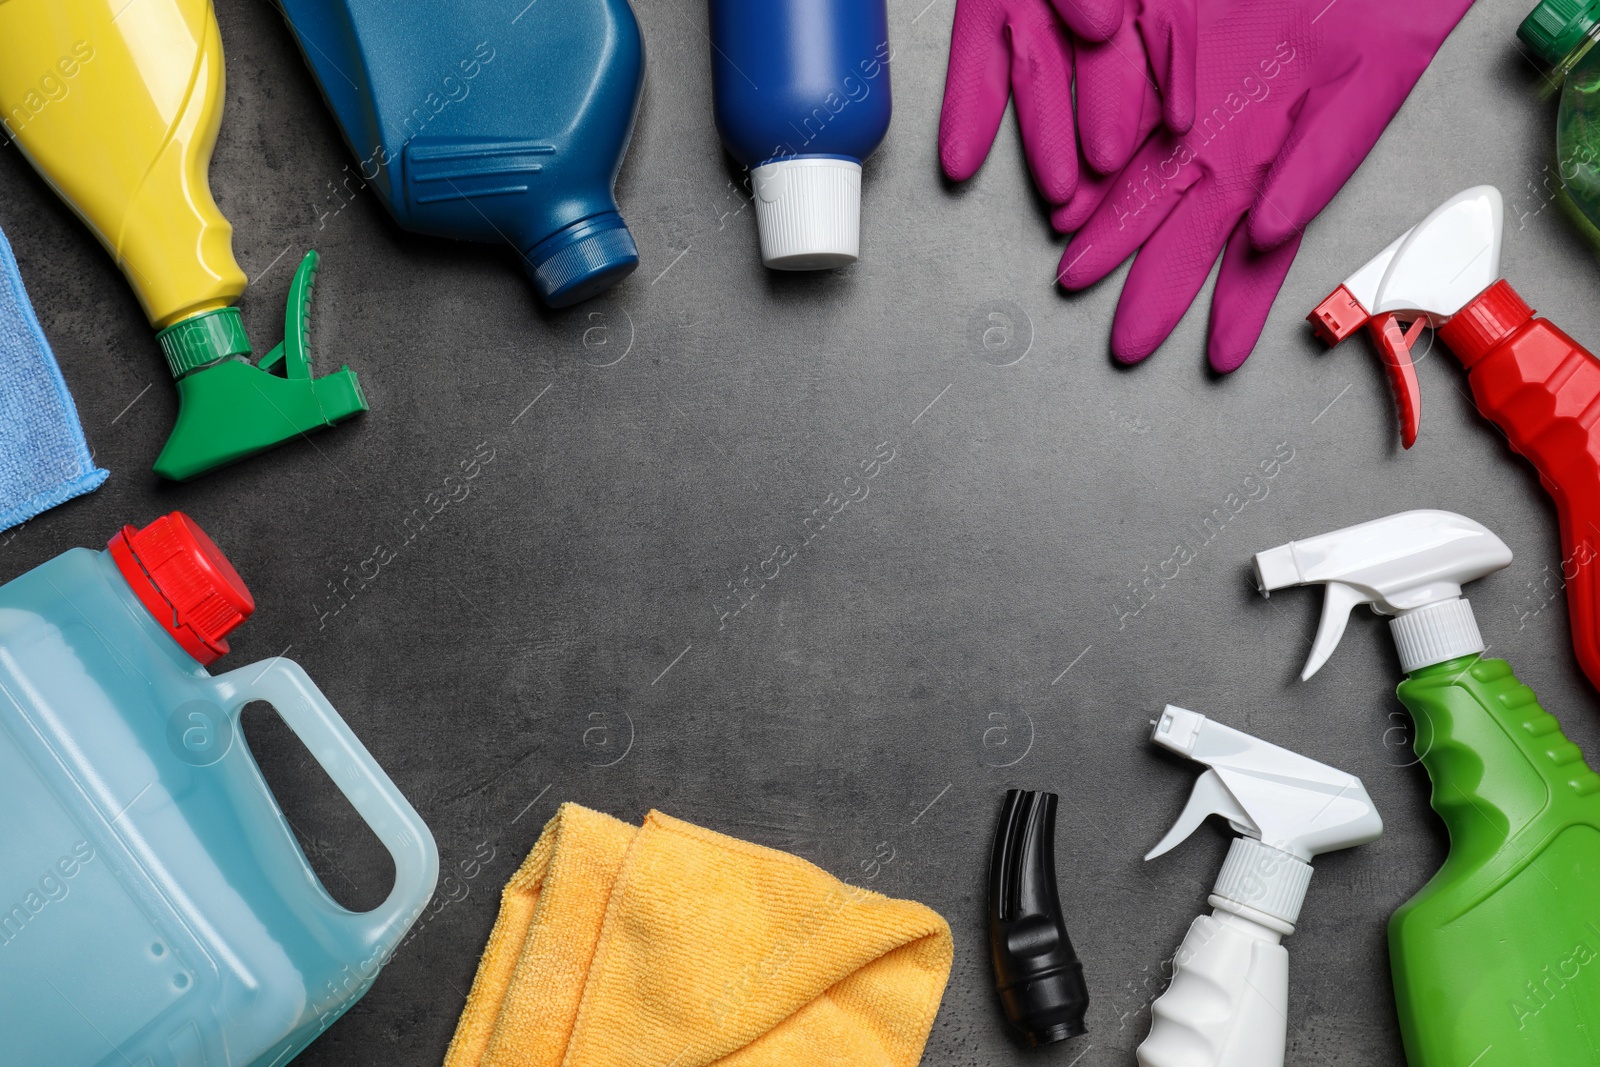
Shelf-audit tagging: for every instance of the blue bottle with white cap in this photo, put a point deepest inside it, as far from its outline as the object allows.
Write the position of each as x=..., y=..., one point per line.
x=802, y=99
x=475, y=124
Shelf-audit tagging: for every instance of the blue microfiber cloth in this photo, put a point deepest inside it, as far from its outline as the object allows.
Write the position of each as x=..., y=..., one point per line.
x=44, y=460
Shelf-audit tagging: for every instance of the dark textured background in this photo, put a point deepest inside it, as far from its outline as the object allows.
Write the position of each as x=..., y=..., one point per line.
x=555, y=635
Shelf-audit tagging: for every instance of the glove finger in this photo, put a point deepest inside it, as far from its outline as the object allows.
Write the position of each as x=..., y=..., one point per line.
x=1170, y=38
x=1138, y=200
x=1247, y=284
x=1170, y=270
x=977, y=86
x=1093, y=185
x=1093, y=188
x=1114, y=93
x=1335, y=129
x=1092, y=20
x=1041, y=79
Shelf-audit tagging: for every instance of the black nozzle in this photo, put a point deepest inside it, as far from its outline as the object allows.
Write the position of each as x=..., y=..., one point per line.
x=1035, y=969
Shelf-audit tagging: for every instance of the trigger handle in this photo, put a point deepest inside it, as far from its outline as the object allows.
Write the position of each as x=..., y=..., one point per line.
x=294, y=351
x=1394, y=348
x=1210, y=797
x=1341, y=315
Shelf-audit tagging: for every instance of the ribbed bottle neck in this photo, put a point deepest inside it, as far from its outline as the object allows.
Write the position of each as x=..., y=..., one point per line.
x=203, y=339
x=1437, y=633
x=1263, y=884
x=1492, y=316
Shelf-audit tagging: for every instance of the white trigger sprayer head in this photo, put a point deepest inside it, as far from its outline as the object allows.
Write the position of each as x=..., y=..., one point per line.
x=1425, y=276
x=1288, y=807
x=1410, y=566
x=1281, y=798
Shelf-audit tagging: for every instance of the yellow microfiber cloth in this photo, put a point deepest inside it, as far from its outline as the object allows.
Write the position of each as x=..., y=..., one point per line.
x=675, y=946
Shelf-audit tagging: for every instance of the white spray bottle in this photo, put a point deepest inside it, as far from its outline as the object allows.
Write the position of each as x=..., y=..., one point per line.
x=1228, y=1002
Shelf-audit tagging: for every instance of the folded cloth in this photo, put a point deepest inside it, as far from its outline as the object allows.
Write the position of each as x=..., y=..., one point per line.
x=674, y=945
x=44, y=459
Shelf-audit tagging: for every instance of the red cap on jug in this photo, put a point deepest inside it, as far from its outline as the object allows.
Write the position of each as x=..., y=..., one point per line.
x=187, y=583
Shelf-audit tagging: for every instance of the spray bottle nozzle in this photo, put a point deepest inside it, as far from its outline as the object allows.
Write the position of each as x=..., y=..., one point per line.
x=1410, y=566
x=1281, y=798
x=1288, y=807
x=1424, y=277
x=228, y=409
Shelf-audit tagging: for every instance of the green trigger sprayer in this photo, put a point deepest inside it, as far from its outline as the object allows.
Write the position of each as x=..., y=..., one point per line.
x=1497, y=960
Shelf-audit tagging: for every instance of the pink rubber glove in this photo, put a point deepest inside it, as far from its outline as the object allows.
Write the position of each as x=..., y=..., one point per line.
x=1001, y=48
x=1292, y=96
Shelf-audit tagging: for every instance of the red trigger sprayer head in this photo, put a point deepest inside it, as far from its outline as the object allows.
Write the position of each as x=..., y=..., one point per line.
x=1425, y=276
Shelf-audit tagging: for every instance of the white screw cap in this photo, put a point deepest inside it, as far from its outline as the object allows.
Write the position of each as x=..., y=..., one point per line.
x=808, y=212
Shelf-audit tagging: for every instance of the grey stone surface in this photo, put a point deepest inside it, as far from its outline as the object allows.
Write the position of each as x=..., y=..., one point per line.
x=558, y=633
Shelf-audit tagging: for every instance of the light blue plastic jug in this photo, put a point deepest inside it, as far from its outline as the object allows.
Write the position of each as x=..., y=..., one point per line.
x=155, y=908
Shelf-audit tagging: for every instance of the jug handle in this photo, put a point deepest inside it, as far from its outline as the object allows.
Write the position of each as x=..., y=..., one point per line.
x=285, y=685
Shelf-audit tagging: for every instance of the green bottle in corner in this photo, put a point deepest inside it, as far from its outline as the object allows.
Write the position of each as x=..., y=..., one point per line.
x=1561, y=34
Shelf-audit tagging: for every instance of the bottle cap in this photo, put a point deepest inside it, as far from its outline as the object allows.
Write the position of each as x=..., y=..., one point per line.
x=1556, y=27
x=808, y=212
x=1266, y=879
x=1474, y=331
x=582, y=260
x=1437, y=633
x=203, y=339
x=187, y=583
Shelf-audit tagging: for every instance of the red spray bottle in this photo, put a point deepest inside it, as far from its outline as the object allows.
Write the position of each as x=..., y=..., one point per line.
x=1537, y=384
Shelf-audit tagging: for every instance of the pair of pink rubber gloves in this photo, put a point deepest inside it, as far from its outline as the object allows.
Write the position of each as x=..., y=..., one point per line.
x=1203, y=128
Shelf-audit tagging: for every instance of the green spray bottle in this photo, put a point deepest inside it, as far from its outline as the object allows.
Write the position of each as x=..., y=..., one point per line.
x=1496, y=961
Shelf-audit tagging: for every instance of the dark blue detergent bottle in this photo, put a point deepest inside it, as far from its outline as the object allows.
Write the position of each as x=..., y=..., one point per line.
x=477, y=122
x=802, y=98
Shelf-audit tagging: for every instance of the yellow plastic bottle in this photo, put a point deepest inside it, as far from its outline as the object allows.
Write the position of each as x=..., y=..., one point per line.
x=117, y=104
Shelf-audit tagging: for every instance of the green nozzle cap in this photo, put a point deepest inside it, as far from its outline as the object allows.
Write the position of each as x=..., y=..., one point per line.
x=228, y=409
x=1554, y=28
